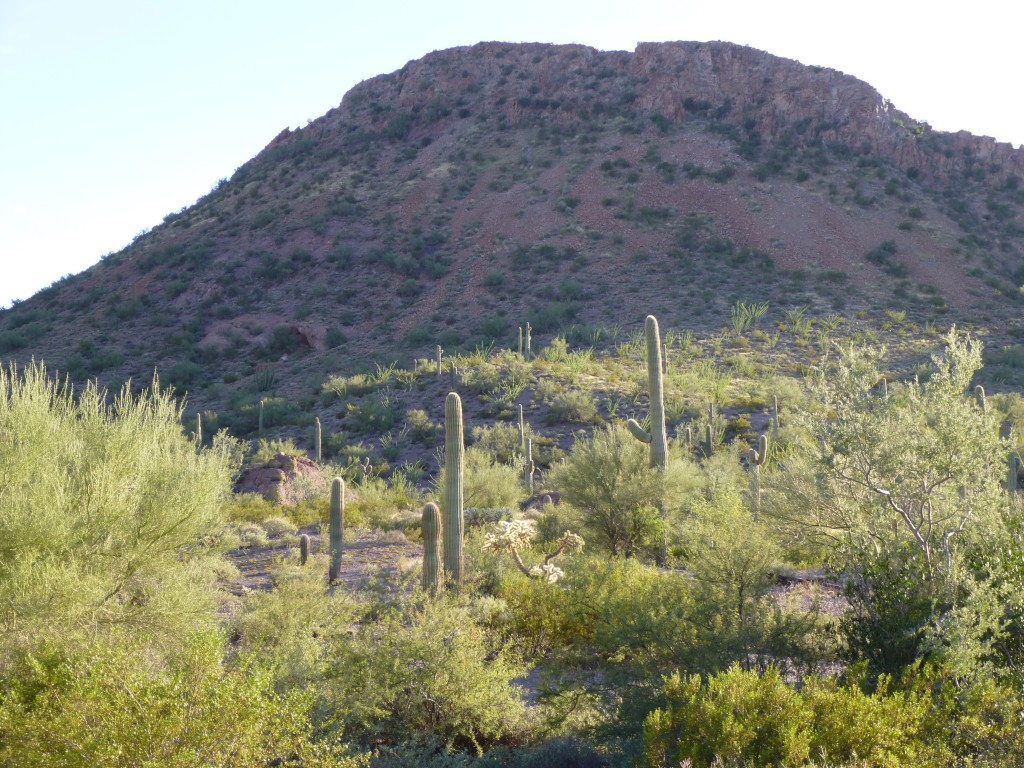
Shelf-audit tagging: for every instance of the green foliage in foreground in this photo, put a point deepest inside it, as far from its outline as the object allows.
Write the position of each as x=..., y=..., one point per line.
x=113, y=654
x=114, y=702
x=742, y=716
x=104, y=506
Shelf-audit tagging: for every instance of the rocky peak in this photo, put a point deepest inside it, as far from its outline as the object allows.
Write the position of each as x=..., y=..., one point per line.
x=768, y=99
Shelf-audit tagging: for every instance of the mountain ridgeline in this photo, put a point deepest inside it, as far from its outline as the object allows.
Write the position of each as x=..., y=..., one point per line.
x=481, y=188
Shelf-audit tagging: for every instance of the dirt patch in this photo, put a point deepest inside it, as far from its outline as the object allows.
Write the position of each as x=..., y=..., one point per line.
x=364, y=555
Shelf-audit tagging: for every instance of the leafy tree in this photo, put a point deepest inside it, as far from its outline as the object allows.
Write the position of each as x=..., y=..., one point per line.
x=907, y=480
x=922, y=465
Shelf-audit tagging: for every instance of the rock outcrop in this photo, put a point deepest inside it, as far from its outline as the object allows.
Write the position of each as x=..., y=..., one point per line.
x=284, y=479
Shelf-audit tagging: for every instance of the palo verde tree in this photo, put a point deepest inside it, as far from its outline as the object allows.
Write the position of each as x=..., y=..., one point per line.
x=922, y=466
x=908, y=483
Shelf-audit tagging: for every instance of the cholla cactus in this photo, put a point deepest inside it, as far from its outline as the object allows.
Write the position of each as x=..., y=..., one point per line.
x=514, y=536
x=548, y=572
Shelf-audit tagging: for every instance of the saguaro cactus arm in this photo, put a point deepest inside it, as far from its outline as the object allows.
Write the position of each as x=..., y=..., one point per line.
x=637, y=431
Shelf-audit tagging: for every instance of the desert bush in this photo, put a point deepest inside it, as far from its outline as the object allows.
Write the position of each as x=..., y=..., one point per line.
x=278, y=528
x=295, y=626
x=114, y=702
x=608, y=477
x=103, y=508
x=248, y=507
x=487, y=484
x=740, y=717
x=421, y=428
x=500, y=441
x=379, y=504
x=574, y=405
x=268, y=449
x=426, y=667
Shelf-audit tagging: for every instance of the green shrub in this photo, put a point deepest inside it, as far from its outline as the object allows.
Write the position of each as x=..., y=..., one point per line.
x=249, y=508
x=574, y=405
x=103, y=509
x=500, y=441
x=608, y=477
x=487, y=483
x=116, y=703
x=426, y=668
x=269, y=449
x=744, y=717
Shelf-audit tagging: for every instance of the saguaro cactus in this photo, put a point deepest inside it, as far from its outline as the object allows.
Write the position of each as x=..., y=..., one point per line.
x=337, y=523
x=979, y=392
x=199, y=429
x=756, y=458
x=454, y=453
x=433, y=569
x=775, y=417
x=522, y=429
x=440, y=352
x=261, y=417
x=319, y=441
x=657, y=438
x=528, y=466
x=303, y=549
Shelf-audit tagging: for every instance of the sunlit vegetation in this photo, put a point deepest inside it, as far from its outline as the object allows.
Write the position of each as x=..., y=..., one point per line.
x=845, y=592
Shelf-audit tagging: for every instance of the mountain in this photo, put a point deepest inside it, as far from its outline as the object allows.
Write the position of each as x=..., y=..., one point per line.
x=481, y=188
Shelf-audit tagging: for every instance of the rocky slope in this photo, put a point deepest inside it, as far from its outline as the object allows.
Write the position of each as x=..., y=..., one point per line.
x=481, y=188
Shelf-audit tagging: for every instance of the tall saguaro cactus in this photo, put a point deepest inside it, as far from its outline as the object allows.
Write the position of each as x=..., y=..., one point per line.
x=337, y=523
x=433, y=570
x=454, y=454
x=657, y=438
x=319, y=441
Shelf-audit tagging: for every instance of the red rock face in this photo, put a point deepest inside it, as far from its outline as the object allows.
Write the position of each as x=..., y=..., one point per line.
x=284, y=479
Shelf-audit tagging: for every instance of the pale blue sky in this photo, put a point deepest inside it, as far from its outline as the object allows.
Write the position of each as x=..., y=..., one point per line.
x=114, y=113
